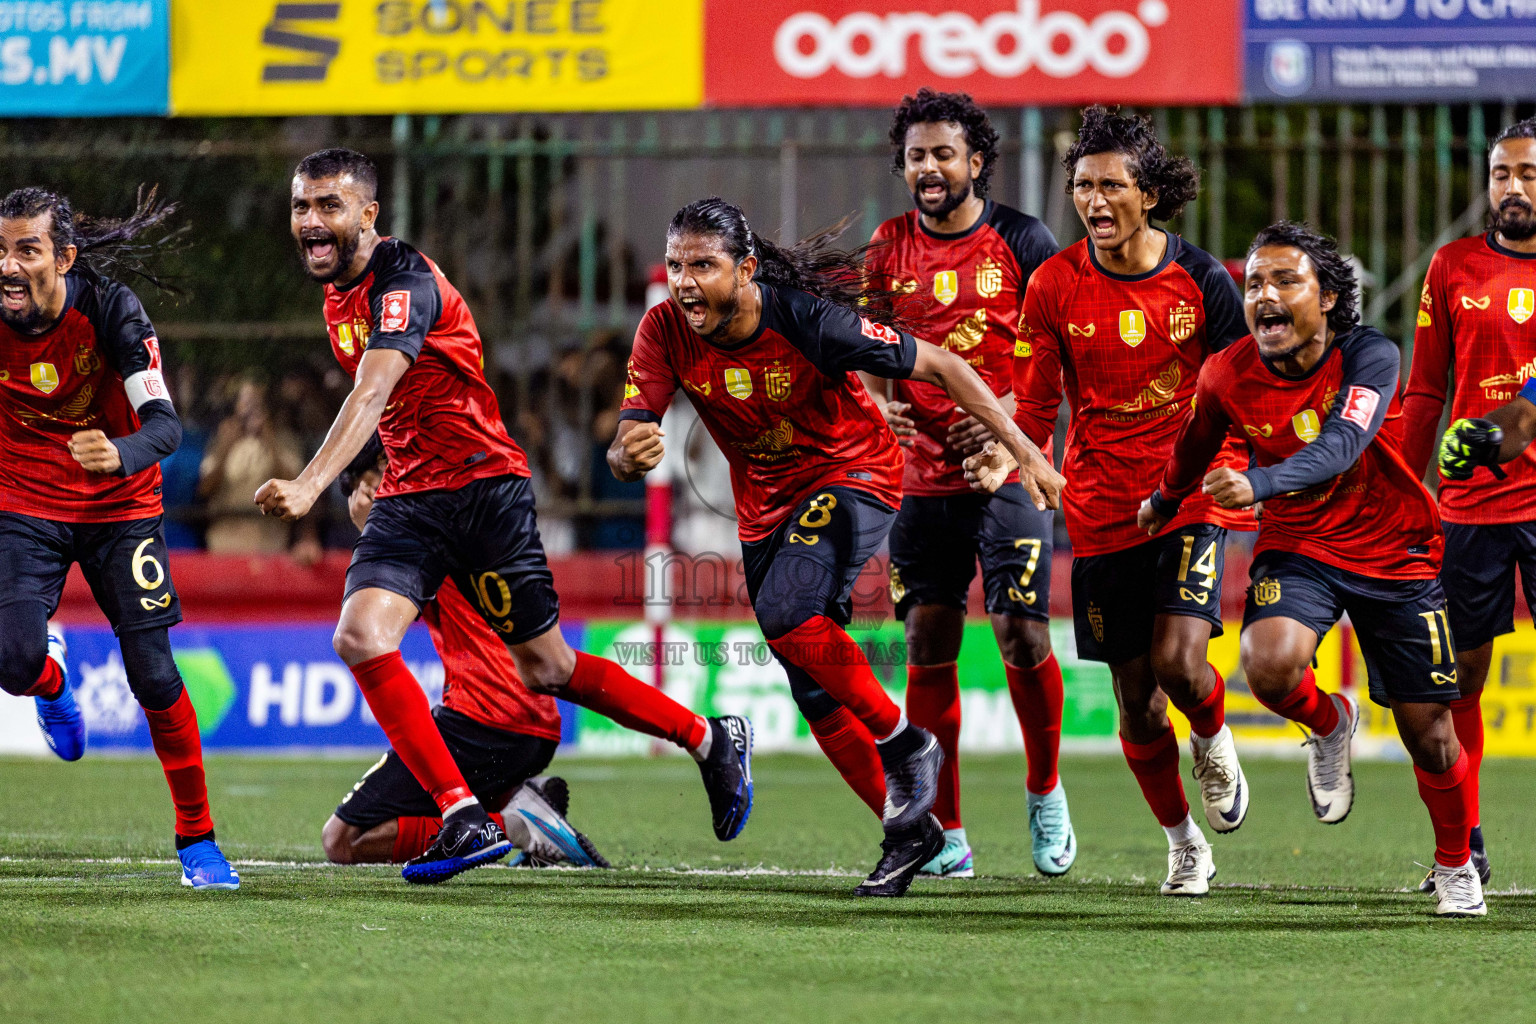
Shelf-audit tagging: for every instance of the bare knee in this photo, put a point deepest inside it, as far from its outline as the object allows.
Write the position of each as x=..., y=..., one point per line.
x=1179, y=668
x=337, y=838
x=1272, y=675
x=355, y=642
x=1022, y=642
x=1429, y=734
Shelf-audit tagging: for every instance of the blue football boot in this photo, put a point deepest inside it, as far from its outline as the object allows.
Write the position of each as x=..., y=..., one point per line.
x=203, y=867
x=60, y=719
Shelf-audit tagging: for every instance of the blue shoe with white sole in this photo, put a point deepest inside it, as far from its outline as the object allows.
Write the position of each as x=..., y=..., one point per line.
x=203, y=867
x=1051, y=839
x=954, y=861
x=60, y=719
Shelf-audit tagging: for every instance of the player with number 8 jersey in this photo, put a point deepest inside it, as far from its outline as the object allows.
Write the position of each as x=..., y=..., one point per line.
x=85, y=418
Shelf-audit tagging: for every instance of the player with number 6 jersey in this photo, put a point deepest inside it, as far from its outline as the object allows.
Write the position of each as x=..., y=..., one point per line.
x=85, y=419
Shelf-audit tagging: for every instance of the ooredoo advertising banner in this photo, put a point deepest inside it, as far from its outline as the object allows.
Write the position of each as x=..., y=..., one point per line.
x=1390, y=50
x=870, y=52
x=434, y=56
x=63, y=58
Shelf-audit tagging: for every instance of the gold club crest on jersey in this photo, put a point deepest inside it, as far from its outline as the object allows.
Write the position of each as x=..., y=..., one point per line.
x=777, y=382
x=1182, y=321
x=1133, y=327
x=946, y=286
x=989, y=279
x=45, y=377
x=86, y=361
x=738, y=382
x=1522, y=303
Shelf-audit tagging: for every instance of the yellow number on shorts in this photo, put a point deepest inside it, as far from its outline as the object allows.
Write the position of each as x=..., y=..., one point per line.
x=1035, y=545
x=483, y=584
x=820, y=512
x=1435, y=628
x=1205, y=565
x=140, y=560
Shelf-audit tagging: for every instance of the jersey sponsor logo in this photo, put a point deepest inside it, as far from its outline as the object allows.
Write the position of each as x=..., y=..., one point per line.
x=989, y=279
x=904, y=287
x=1252, y=431
x=708, y=386
x=1199, y=597
x=395, y=312
x=738, y=382
x=777, y=382
x=86, y=361
x=631, y=390
x=149, y=604
x=1266, y=591
x=1086, y=332
x=772, y=444
x=1467, y=302
x=81, y=402
x=1182, y=321
x=880, y=332
x=1515, y=379
x=1360, y=405
x=1306, y=425
x=1159, y=391
x=1022, y=349
x=1133, y=327
x=45, y=377
x=1521, y=304
x=1424, y=318
x=1443, y=678
x=968, y=333
x=946, y=286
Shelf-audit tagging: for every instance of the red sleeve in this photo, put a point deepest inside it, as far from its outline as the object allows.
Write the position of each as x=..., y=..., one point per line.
x=1037, y=368
x=1201, y=437
x=650, y=382
x=1424, y=400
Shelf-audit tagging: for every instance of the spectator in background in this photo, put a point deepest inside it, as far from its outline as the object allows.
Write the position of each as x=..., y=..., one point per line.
x=180, y=471
x=248, y=449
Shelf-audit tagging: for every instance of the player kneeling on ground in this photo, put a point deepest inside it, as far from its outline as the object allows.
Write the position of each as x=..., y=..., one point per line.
x=500, y=735
x=1347, y=528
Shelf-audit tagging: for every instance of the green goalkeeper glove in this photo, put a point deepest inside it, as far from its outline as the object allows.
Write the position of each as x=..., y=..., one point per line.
x=1467, y=445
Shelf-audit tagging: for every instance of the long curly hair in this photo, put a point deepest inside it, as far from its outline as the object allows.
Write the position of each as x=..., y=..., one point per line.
x=104, y=246
x=1173, y=179
x=929, y=107
x=1334, y=273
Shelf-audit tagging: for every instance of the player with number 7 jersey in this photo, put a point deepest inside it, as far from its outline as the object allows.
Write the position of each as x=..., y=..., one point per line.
x=85, y=419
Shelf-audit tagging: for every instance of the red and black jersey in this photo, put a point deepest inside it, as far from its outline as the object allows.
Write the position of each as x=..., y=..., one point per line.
x=786, y=406
x=1363, y=510
x=967, y=291
x=442, y=427
x=1477, y=319
x=90, y=371
x=479, y=677
x=1127, y=350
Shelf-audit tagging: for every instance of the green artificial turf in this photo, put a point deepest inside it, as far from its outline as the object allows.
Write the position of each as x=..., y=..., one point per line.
x=1307, y=921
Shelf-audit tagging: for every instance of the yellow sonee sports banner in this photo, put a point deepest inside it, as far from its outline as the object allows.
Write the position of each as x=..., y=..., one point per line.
x=434, y=56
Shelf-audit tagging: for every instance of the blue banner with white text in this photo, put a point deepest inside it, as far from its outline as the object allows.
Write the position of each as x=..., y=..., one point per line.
x=66, y=58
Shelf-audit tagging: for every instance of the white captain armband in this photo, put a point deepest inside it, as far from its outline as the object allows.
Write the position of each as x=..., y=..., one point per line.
x=146, y=386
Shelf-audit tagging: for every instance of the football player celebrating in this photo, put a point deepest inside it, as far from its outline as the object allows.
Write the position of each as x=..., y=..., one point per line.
x=85, y=419
x=766, y=341
x=455, y=502
x=1478, y=314
x=964, y=260
x=499, y=734
x=1123, y=320
x=1347, y=528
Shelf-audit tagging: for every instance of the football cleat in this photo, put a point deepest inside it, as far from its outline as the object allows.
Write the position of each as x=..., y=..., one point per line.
x=60, y=719
x=727, y=773
x=911, y=761
x=1051, y=839
x=1459, y=892
x=203, y=867
x=552, y=839
x=1190, y=869
x=1479, y=861
x=1330, y=780
x=902, y=853
x=467, y=840
x=954, y=860
x=1223, y=787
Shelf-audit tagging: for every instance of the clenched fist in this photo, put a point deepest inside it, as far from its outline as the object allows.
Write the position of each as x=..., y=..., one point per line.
x=95, y=452
x=639, y=453
x=287, y=499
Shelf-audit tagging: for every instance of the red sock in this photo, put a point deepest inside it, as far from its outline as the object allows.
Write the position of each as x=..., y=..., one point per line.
x=1156, y=767
x=829, y=656
x=1467, y=716
x=1308, y=705
x=1207, y=717
x=1451, y=798
x=601, y=685
x=174, y=734
x=851, y=749
x=1037, y=700
x=413, y=835
x=933, y=702
x=49, y=685
x=396, y=700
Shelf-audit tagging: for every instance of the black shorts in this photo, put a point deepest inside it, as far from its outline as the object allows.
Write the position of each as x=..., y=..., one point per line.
x=1478, y=575
x=494, y=763
x=1402, y=626
x=1116, y=597
x=936, y=541
x=484, y=535
x=124, y=563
